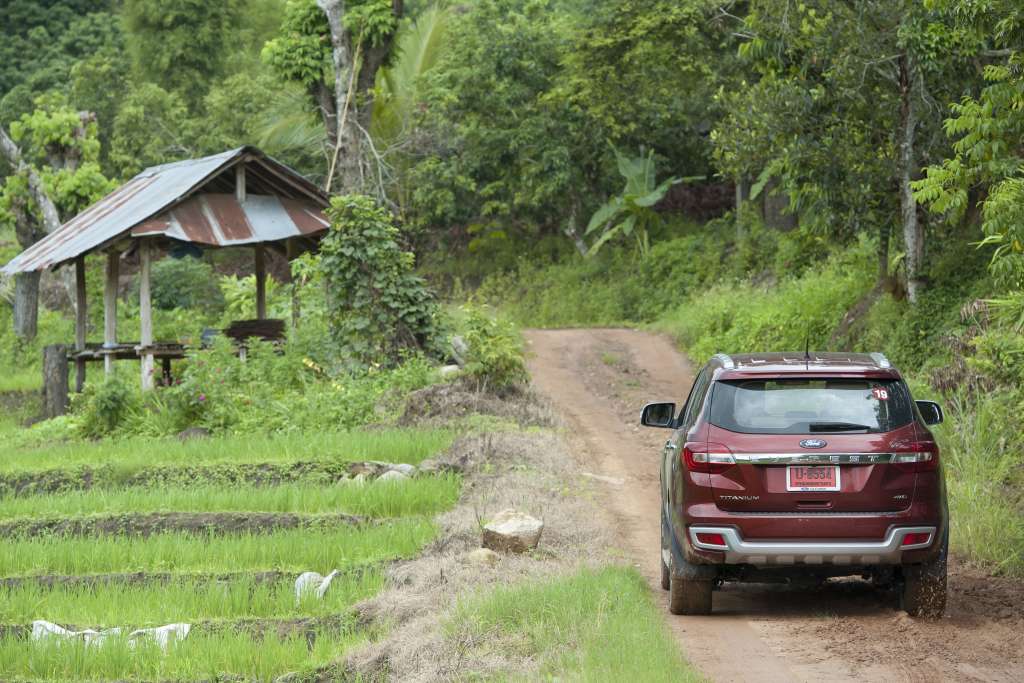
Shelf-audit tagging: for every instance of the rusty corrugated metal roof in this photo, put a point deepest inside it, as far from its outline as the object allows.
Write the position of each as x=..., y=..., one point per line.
x=186, y=200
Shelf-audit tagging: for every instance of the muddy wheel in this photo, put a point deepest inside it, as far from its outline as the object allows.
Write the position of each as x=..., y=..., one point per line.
x=666, y=573
x=924, y=587
x=689, y=596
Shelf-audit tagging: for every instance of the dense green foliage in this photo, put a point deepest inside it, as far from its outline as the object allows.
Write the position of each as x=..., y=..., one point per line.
x=378, y=307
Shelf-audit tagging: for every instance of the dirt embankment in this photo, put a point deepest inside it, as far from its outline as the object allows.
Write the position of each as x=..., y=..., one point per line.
x=844, y=631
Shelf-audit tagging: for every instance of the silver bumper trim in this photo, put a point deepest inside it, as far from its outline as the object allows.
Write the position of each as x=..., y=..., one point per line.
x=738, y=551
x=813, y=458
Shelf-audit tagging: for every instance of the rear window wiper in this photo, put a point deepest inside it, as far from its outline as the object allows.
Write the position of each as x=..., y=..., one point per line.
x=837, y=427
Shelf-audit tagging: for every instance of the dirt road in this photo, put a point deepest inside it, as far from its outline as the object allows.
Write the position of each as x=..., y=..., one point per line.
x=846, y=631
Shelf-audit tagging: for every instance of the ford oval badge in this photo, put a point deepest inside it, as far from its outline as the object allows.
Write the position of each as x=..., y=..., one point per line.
x=813, y=443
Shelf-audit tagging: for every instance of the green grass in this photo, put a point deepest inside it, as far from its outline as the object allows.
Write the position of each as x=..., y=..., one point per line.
x=19, y=380
x=398, y=445
x=201, y=656
x=596, y=625
x=292, y=550
x=419, y=496
x=188, y=601
x=981, y=448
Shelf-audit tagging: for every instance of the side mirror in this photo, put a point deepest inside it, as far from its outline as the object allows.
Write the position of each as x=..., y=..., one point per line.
x=930, y=411
x=658, y=415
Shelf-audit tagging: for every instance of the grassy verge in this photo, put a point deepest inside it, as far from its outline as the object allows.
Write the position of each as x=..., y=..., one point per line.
x=398, y=445
x=181, y=601
x=981, y=456
x=292, y=550
x=420, y=496
x=201, y=656
x=594, y=625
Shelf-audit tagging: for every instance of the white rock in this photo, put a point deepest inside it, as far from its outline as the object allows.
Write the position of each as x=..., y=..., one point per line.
x=512, y=531
x=449, y=370
x=483, y=557
x=392, y=475
x=406, y=469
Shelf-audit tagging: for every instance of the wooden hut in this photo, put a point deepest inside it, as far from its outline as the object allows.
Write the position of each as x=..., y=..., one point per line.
x=239, y=198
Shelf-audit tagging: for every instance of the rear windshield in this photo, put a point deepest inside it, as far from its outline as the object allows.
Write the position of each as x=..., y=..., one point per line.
x=810, y=406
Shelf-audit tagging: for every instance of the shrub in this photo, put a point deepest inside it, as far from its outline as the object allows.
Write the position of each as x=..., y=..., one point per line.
x=495, y=349
x=102, y=408
x=378, y=308
x=185, y=283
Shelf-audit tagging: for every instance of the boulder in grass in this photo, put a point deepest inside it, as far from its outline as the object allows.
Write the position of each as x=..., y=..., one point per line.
x=511, y=531
x=449, y=370
x=404, y=468
x=393, y=475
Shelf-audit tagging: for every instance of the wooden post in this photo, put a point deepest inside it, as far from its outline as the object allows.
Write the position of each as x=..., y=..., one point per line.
x=110, y=309
x=292, y=251
x=261, y=283
x=55, y=380
x=145, y=317
x=81, y=320
x=240, y=183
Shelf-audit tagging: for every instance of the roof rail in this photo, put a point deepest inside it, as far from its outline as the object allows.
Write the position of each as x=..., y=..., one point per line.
x=882, y=361
x=727, y=362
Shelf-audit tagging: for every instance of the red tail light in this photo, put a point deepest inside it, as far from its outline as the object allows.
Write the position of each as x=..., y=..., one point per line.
x=916, y=538
x=713, y=539
x=922, y=456
x=710, y=458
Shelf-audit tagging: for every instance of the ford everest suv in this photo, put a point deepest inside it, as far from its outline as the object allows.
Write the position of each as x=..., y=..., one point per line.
x=800, y=467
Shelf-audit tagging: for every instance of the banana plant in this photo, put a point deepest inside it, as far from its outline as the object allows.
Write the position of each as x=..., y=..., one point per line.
x=630, y=214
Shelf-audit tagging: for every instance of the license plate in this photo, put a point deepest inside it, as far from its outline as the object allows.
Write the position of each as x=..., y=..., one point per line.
x=812, y=478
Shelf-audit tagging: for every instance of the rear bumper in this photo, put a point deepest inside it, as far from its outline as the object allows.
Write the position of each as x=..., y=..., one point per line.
x=737, y=550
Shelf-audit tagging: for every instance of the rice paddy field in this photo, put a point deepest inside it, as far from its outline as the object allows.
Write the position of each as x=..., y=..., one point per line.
x=212, y=533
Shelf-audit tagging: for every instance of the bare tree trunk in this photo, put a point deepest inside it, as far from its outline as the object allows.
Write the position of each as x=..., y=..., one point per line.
x=347, y=148
x=26, y=285
x=913, y=235
x=26, y=305
x=51, y=219
x=353, y=95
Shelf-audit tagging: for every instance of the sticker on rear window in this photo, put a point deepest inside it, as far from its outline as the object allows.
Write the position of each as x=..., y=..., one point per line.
x=880, y=394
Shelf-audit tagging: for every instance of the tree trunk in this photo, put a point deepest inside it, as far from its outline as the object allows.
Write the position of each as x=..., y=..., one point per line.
x=26, y=305
x=913, y=235
x=55, y=380
x=353, y=95
x=884, y=233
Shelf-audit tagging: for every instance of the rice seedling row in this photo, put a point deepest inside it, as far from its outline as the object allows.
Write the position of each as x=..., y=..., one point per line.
x=398, y=445
x=289, y=550
x=186, y=600
x=420, y=496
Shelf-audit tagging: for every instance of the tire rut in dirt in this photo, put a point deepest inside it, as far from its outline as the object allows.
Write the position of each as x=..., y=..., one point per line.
x=143, y=525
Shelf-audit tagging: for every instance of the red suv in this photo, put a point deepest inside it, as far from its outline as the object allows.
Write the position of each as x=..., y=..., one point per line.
x=786, y=467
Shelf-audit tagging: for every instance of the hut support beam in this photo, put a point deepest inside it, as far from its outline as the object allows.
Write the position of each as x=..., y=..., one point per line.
x=81, y=320
x=261, y=282
x=145, y=316
x=110, y=309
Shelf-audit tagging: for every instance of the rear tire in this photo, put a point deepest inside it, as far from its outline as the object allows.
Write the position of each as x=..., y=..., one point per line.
x=924, y=587
x=689, y=596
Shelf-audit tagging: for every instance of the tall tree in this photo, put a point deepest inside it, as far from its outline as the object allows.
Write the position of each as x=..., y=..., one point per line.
x=54, y=155
x=843, y=113
x=334, y=48
x=181, y=44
